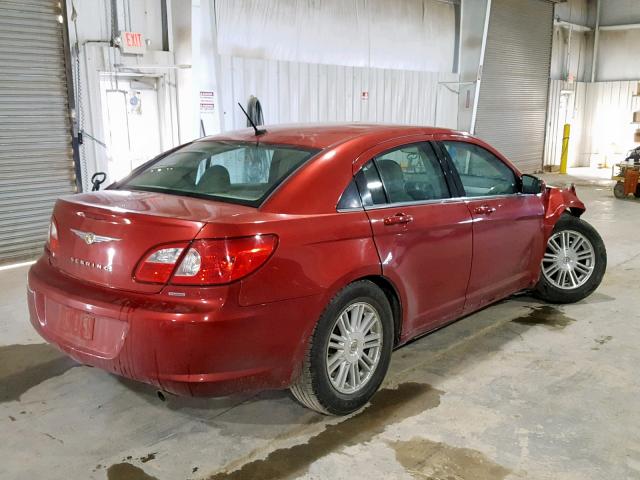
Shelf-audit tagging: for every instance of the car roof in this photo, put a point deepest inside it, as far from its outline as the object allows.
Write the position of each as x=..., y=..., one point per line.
x=323, y=135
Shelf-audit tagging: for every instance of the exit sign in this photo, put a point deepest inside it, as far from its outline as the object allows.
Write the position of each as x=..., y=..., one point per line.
x=132, y=42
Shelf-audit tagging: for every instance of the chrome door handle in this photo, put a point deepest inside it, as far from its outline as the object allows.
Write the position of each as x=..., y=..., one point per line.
x=398, y=219
x=484, y=210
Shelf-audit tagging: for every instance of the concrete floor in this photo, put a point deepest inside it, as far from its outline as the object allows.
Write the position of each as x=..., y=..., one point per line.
x=519, y=390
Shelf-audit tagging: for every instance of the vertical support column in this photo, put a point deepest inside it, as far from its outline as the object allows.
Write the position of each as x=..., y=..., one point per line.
x=565, y=148
x=596, y=42
x=481, y=64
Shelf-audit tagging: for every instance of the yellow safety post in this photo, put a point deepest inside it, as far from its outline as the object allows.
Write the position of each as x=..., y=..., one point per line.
x=565, y=148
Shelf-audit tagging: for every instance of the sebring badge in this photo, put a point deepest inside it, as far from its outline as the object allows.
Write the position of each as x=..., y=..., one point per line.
x=90, y=237
x=87, y=263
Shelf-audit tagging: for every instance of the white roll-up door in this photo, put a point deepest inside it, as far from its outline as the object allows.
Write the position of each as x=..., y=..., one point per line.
x=512, y=102
x=36, y=160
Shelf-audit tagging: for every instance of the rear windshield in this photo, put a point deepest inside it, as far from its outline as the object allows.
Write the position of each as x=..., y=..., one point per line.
x=242, y=173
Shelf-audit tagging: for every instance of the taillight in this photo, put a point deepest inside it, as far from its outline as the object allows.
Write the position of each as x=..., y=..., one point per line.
x=159, y=264
x=207, y=262
x=52, y=240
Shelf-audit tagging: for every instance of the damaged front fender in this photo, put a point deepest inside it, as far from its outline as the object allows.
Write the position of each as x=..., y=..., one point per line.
x=558, y=201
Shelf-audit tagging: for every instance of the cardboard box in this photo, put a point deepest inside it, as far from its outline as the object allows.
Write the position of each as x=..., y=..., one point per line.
x=636, y=117
x=636, y=136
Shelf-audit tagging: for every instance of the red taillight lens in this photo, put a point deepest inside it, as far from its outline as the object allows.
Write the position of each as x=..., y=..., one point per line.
x=214, y=262
x=206, y=262
x=52, y=240
x=159, y=264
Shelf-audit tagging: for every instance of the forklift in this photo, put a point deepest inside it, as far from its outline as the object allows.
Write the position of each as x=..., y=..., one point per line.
x=627, y=176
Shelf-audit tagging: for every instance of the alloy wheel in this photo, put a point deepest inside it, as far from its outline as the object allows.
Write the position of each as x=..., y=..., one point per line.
x=569, y=260
x=354, y=348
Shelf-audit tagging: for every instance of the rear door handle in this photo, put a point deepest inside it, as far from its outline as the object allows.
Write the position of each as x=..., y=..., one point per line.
x=398, y=218
x=484, y=210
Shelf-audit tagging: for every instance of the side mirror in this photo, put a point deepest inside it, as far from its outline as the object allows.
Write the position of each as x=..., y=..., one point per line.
x=531, y=185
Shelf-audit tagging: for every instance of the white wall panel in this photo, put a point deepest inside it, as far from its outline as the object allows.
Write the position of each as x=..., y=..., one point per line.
x=575, y=11
x=608, y=131
x=619, y=55
x=600, y=115
x=614, y=12
x=404, y=35
x=292, y=92
x=566, y=105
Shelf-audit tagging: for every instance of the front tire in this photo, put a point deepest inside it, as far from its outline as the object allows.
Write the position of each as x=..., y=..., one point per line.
x=349, y=351
x=574, y=262
x=618, y=191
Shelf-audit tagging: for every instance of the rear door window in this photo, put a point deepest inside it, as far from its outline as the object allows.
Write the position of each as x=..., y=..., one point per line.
x=230, y=171
x=480, y=171
x=412, y=173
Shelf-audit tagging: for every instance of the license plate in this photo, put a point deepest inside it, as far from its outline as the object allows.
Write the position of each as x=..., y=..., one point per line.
x=80, y=324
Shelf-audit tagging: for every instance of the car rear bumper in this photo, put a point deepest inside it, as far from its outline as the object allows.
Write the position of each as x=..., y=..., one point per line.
x=206, y=346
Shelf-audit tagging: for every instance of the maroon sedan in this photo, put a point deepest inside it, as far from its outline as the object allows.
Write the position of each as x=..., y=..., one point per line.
x=300, y=258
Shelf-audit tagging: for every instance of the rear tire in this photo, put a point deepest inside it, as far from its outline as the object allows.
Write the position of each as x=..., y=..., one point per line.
x=574, y=262
x=349, y=351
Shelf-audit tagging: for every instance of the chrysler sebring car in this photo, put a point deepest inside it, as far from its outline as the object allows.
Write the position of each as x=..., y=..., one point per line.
x=300, y=258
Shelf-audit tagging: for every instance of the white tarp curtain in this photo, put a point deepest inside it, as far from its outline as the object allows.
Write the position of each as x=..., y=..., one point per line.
x=414, y=35
x=292, y=92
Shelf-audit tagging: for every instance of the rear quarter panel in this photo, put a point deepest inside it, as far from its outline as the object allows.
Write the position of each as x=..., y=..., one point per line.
x=315, y=255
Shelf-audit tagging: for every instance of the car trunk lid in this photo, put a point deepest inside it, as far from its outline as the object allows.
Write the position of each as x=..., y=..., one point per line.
x=103, y=236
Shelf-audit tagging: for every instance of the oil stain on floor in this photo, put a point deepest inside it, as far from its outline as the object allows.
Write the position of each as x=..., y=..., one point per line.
x=25, y=366
x=545, y=315
x=126, y=471
x=388, y=406
x=426, y=459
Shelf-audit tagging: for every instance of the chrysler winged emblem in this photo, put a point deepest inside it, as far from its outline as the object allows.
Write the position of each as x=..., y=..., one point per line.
x=90, y=237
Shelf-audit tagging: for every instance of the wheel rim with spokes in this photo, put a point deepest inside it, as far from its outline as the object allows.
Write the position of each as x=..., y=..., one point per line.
x=354, y=348
x=569, y=260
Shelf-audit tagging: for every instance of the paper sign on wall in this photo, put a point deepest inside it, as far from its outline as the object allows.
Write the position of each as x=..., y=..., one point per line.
x=207, y=101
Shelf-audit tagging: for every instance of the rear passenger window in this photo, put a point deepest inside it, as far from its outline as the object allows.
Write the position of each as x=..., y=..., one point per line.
x=412, y=173
x=481, y=172
x=370, y=186
x=350, y=198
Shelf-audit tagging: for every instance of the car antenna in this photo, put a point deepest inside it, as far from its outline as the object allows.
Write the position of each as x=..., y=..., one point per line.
x=259, y=131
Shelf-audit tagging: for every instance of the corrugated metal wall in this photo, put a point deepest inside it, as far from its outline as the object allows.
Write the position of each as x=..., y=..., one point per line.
x=608, y=131
x=566, y=105
x=36, y=163
x=303, y=92
x=512, y=102
x=600, y=115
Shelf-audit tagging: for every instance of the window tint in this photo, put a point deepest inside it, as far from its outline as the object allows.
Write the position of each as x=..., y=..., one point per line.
x=412, y=173
x=229, y=171
x=350, y=198
x=370, y=186
x=481, y=172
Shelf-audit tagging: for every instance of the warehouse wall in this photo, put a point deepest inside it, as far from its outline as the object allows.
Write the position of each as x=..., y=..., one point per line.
x=309, y=92
x=94, y=60
x=572, y=49
x=406, y=35
x=329, y=49
x=336, y=60
x=617, y=57
x=566, y=105
x=600, y=115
